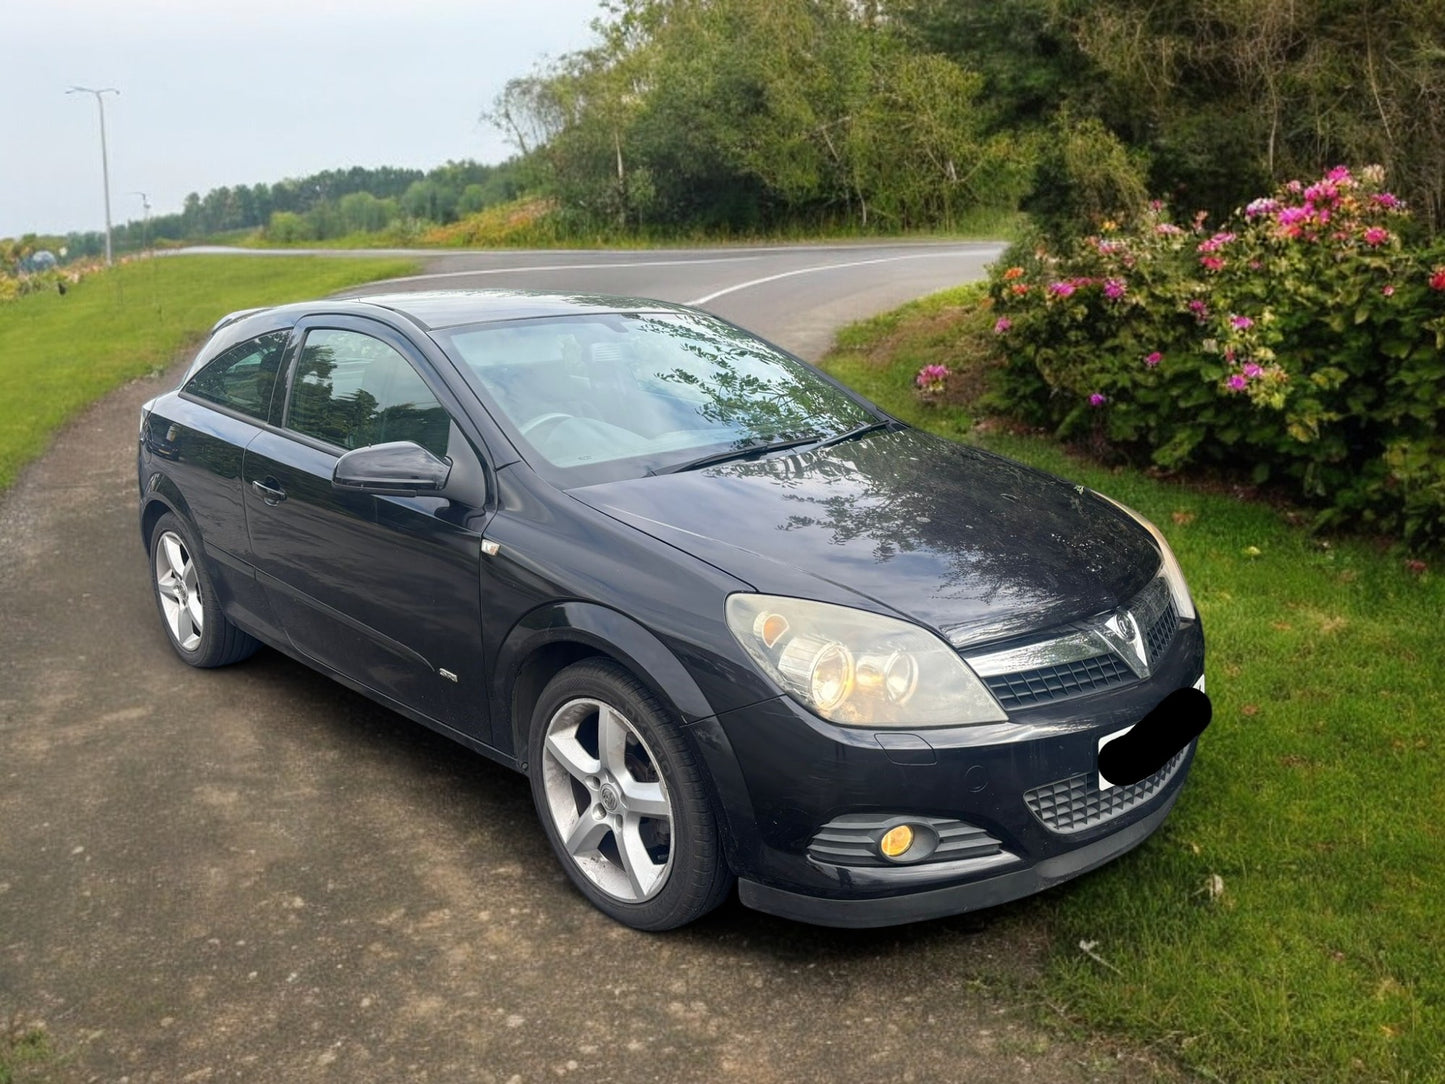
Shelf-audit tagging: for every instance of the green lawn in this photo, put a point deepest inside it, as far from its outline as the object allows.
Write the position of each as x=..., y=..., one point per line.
x=59, y=354
x=1317, y=799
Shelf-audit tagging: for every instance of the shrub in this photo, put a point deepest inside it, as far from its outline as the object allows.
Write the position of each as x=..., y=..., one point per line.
x=1302, y=340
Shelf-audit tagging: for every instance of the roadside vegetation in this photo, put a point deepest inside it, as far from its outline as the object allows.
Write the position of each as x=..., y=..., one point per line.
x=1300, y=343
x=1285, y=923
x=25, y=1052
x=745, y=119
x=61, y=352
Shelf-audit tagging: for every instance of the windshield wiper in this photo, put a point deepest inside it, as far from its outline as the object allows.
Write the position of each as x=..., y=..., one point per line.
x=853, y=434
x=738, y=453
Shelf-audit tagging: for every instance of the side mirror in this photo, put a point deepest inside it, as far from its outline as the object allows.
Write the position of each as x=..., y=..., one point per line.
x=398, y=469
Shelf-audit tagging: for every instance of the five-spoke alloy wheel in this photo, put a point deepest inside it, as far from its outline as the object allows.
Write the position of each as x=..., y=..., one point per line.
x=621, y=796
x=199, y=632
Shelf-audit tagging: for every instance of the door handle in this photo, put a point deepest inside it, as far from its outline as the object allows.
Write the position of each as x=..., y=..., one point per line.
x=270, y=492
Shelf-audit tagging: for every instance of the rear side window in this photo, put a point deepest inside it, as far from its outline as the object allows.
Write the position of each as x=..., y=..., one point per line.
x=243, y=377
x=353, y=390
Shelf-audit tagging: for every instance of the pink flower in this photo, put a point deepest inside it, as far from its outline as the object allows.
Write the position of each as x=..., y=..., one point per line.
x=1211, y=263
x=1061, y=289
x=1114, y=289
x=1002, y=324
x=1388, y=290
x=1388, y=200
x=1340, y=175
x=1153, y=359
x=1243, y=323
x=1252, y=370
x=931, y=377
x=1293, y=216
x=1168, y=229
x=1237, y=382
x=1323, y=192
x=1261, y=207
x=1098, y=399
x=1215, y=243
x=1376, y=236
x=1437, y=280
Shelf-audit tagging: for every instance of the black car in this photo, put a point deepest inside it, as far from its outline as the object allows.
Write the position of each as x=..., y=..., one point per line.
x=733, y=620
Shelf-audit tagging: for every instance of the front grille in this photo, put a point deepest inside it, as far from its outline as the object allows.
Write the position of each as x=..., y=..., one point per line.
x=1076, y=803
x=1161, y=632
x=852, y=840
x=1046, y=683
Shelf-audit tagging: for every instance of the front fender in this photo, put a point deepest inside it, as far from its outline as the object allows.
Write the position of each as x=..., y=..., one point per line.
x=653, y=663
x=605, y=630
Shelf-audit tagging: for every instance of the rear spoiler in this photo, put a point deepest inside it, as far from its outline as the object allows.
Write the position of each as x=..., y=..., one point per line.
x=233, y=317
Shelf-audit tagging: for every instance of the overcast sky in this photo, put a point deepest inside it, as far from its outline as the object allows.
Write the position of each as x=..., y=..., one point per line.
x=224, y=92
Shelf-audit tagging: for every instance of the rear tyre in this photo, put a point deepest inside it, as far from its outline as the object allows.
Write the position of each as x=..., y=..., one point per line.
x=622, y=799
x=186, y=599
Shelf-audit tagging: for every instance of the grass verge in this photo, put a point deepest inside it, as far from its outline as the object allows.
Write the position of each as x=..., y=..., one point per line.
x=25, y=1051
x=1288, y=922
x=528, y=223
x=59, y=354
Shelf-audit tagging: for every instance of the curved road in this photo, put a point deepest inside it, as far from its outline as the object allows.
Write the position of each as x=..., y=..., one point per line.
x=253, y=874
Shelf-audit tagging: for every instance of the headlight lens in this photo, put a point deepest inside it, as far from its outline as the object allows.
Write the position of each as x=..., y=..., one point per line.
x=858, y=668
x=1173, y=574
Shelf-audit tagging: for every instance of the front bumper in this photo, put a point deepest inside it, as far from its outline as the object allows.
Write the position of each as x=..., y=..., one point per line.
x=957, y=898
x=1028, y=789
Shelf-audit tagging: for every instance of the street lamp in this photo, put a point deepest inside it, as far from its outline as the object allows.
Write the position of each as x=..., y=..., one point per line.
x=104, y=160
x=145, y=232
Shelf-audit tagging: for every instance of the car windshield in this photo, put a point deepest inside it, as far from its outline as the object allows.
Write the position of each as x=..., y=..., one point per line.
x=599, y=397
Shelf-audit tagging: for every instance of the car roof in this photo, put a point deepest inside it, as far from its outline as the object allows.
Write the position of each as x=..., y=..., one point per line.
x=431, y=310
x=437, y=309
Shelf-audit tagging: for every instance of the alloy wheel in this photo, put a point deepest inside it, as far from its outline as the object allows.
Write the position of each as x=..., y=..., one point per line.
x=180, y=591
x=607, y=800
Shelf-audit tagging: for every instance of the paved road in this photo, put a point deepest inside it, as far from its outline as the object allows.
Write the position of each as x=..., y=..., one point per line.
x=255, y=874
x=796, y=295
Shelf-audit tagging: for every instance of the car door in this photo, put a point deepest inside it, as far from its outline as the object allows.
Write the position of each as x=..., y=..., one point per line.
x=383, y=590
x=198, y=440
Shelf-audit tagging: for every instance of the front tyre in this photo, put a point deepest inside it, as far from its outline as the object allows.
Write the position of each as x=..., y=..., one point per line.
x=189, y=610
x=622, y=799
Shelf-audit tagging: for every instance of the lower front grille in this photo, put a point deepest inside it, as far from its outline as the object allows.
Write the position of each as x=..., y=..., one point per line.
x=1076, y=804
x=852, y=840
x=1055, y=682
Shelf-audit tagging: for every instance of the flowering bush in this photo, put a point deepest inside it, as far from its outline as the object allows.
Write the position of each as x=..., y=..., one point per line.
x=932, y=378
x=1304, y=341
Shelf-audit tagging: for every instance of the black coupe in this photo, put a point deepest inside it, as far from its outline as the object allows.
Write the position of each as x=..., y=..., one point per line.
x=735, y=622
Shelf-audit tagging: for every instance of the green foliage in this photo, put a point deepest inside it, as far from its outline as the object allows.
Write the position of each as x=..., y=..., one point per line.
x=1301, y=344
x=1085, y=176
x=1230, y=95
x=742, y=115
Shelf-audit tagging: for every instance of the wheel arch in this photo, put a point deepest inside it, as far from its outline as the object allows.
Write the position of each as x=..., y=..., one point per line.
x=159, y=496
x=559, y=634
x=556, y=635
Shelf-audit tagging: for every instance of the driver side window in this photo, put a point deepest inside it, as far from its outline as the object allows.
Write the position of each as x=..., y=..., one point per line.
x=352, y=390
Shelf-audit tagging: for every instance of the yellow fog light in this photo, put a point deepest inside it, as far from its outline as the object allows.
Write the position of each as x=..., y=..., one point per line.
x=896, y=841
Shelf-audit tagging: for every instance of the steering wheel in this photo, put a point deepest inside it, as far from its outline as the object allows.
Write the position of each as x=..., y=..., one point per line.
x=551, y=418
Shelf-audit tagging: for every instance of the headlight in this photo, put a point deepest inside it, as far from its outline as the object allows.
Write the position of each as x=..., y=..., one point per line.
x=858, y=668
x=1172, y=572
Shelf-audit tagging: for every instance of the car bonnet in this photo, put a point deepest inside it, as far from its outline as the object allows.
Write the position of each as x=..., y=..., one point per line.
x=967, y=542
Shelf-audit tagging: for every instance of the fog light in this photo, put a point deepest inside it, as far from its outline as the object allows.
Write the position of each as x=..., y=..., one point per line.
x=896, y=841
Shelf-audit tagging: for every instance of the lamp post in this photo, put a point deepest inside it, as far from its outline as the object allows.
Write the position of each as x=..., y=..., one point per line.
x=104, y=159
x=146, y=225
